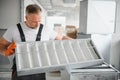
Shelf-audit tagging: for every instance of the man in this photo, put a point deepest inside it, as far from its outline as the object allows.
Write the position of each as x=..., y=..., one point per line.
x=30, y=30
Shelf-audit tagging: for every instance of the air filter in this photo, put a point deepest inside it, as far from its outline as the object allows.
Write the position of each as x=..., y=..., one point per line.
x=45, y=56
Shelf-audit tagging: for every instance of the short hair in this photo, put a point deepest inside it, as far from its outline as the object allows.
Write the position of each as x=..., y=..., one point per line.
x=33, y=8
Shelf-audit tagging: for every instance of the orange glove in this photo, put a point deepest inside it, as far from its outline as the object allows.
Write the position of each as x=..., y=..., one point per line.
x=11, y=49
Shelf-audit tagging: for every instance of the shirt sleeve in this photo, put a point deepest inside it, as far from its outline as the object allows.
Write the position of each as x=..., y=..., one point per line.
x=8, y=35
x=53, y=35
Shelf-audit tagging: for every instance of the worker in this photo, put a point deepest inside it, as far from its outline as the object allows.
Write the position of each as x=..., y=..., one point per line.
x=30, y=30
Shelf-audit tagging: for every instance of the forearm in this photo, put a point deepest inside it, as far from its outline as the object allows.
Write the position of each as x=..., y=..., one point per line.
x=3, y=45
x=66, y=38
x=2, y=49
x=62, y=37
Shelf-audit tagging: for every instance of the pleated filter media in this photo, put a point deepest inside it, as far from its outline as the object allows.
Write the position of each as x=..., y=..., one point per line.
x=44, y=56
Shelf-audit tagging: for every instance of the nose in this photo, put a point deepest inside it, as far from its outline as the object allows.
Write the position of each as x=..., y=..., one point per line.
x=37, y=23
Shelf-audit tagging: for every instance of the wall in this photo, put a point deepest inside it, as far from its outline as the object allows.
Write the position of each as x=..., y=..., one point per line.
x=102, y=44
x=101, y=17
x=115, y=51
x=118, y=17
x=51, y=20
x=73, y=17
x=2, y=31
x=115, y=47
x=9, y=13
x=97, y=16
x=0, y=12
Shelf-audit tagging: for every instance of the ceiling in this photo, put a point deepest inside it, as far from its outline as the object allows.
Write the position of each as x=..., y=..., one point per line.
x=59, y=7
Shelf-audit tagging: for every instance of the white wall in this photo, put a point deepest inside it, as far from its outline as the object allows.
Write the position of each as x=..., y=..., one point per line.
x=102, y=44
x=115, y=51
x=9, y=16
x=115, y=47
x=9, y=13
x=51, y=20
x=118, y=17
x=101, y=17
x=0, y=12
x=97, y=17
x=73, y=17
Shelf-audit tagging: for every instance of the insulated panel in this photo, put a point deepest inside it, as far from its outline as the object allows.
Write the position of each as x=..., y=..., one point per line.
x=44, y=56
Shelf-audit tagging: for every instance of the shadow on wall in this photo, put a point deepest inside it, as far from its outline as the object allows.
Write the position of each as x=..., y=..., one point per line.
x=103, y=44
x=115, y=51
x=2, y=31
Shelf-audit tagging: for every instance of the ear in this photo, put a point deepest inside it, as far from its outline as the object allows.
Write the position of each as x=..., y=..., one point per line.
x=26, y=17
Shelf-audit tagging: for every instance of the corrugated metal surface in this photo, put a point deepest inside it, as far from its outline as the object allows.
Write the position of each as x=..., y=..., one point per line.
x=5, y=75
x=94, y=73
x=38, y=57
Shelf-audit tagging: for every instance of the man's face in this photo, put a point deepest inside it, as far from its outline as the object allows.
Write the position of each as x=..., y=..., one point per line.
x=33, y=20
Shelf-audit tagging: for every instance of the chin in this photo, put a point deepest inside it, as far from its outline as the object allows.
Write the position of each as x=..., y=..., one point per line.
x=34, y=27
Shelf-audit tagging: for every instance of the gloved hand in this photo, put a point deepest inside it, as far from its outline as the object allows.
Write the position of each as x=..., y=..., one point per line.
x=10, y=50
